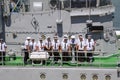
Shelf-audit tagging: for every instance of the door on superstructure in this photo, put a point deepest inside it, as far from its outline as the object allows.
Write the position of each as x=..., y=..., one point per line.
x=2, y=28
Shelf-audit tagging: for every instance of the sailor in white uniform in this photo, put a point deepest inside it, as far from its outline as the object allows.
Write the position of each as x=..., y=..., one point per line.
x=48, y=46
x=73, y=40
x=56, y=48
x=81, y=45
x=40, y=45
x=90, y=46
x=65, y=36
x=3, y=48
x=65, y=47
x=73, y=46
x=27, y=49
x=33, y=45
x=40, y=48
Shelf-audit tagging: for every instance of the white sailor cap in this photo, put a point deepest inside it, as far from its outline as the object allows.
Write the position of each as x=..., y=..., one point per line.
x=73, y=37
x=65, y=36
x=55, y=37
x=28, y=38
x=80, y=35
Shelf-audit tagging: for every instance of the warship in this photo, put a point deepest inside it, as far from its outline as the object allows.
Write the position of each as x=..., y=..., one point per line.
x=22, y=18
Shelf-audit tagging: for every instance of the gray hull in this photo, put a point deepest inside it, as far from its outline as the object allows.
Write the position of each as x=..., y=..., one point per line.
x=35, y=73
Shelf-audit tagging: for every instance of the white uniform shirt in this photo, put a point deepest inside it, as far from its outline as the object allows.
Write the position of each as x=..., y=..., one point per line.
x=55, y=45
x=90, y=40
x=33, y=46
x=81, y=44
x=2, y=46
x=27, y=43
x=41, y=46
x=46, y=44
x=90, y=44
x=65, y=46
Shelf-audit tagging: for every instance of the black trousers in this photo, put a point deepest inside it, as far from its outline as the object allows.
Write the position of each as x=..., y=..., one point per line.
x=81, y=56
x=90, y=57
x=49, y=51
x=26, y=56
x=2, y=56
x=56, y=55
x=65, y=56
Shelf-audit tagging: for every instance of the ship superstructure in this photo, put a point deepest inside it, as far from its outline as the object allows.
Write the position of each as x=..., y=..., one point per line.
x=68, y=17
x=37, y=18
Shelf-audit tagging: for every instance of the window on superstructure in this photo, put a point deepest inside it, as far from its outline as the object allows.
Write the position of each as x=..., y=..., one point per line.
x=66, y=3
x=26, y=4
x=91, y=3
x=78, y=3
x=63, y=4
x=83, y=3
x=105, y=2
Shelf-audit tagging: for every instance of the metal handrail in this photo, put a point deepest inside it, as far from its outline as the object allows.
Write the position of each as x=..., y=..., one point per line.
x=51, y=61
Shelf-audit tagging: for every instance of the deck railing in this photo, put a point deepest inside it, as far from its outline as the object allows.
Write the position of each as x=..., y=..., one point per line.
x=72, y=60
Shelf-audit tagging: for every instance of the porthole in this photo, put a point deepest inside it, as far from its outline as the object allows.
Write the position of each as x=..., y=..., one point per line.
x=107, y=77
x=42, y=76
x=65, y=77
x=95, y=77
x=83, y=77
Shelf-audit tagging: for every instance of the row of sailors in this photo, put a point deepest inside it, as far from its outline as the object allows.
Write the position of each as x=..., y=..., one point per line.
x=65, y=47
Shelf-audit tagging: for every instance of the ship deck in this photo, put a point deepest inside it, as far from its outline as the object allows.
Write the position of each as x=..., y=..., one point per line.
x=110, y=61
